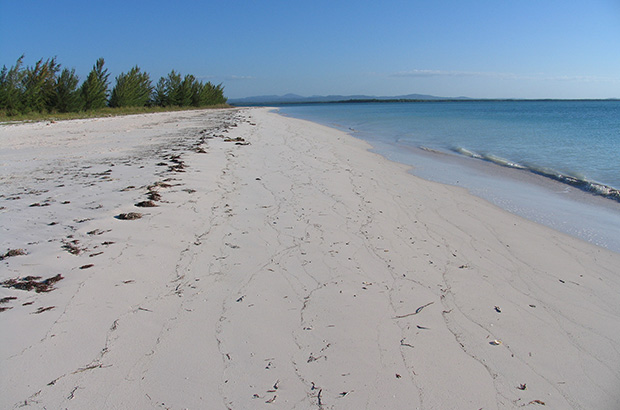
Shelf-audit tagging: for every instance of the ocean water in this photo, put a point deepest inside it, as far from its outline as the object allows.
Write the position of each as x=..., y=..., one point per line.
x=554, y=162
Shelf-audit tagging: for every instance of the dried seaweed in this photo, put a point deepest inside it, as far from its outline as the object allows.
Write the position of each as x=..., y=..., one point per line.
x=129, y=216
x=154, y=196
x=12, y=252
x=238, y=139
x=146, y=204
x=161, y=184
x=29, y=283
x=97, y=232
x=43, y=309
x=177, y=168
x=72, y=247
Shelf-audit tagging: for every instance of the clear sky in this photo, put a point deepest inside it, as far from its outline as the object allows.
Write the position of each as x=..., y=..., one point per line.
x=449, y=48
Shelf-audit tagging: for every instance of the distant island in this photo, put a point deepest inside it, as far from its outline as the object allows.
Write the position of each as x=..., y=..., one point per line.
x=298, y=99
x=286, y=99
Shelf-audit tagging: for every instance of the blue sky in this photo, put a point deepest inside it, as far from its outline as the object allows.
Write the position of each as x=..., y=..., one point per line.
x=486, y=49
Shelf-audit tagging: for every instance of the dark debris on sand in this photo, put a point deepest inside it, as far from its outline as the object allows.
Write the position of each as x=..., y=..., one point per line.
x=29, y=283
x=12, y=252
x=72, y=247
x=146, y=204
x=129, y=216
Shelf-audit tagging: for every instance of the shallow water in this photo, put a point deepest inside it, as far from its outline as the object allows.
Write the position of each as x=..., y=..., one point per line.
x=548, y=161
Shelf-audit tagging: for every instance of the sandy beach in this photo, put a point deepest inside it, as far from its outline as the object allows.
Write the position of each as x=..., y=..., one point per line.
x=274, y=263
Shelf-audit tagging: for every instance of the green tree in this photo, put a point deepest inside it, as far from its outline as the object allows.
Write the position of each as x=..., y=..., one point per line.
x=39, y=83
x=173, y=89
x=12, y=88
x=94, y=91
x=40, y=88
x=215, y=94
x=206, y=94
x=186, y=91
x=132, y=89
x=197, y=93
x=160, y=95
x=66, y=97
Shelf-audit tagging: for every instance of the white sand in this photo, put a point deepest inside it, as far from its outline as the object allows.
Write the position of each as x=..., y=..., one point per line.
x=283, y=274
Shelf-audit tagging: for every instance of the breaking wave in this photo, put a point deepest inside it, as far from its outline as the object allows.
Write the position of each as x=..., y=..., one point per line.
x=583, y=184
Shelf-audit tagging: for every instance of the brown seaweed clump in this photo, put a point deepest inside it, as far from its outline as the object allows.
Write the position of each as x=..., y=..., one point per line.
x=29, y=283
x=72, y=247
x=154, y=196
x=238, y=139
x=12, y=252
x=6, y=300
x=146, y=204
x=129, y=216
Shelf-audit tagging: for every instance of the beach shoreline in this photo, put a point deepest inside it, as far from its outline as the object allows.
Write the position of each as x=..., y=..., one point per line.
x=576, y=206
x=283, y=266
x=557, y=205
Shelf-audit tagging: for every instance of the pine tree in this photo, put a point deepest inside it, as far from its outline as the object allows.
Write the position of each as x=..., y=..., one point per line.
x=66, y=97
x=212, y=94
x=12, y=88
x=39, y=82
x=94, y=90
x=186, y=90
x=173, y=89
x=205, y=94
x=39, y=88
x=132, y=89
x=197, y=93
x=160, y=95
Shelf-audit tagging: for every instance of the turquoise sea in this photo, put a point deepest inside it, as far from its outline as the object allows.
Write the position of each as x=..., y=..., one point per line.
x=555, y=162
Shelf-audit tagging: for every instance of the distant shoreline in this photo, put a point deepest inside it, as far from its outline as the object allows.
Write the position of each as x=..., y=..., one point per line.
x=406, y=100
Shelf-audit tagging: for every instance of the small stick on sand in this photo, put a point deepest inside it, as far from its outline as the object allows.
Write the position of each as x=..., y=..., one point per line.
x=418, y=310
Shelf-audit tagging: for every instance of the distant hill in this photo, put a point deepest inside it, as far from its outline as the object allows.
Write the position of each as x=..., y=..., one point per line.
x=298, y=99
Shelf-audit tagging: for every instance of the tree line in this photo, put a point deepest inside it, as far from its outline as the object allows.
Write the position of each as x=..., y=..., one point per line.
x=44, y=87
